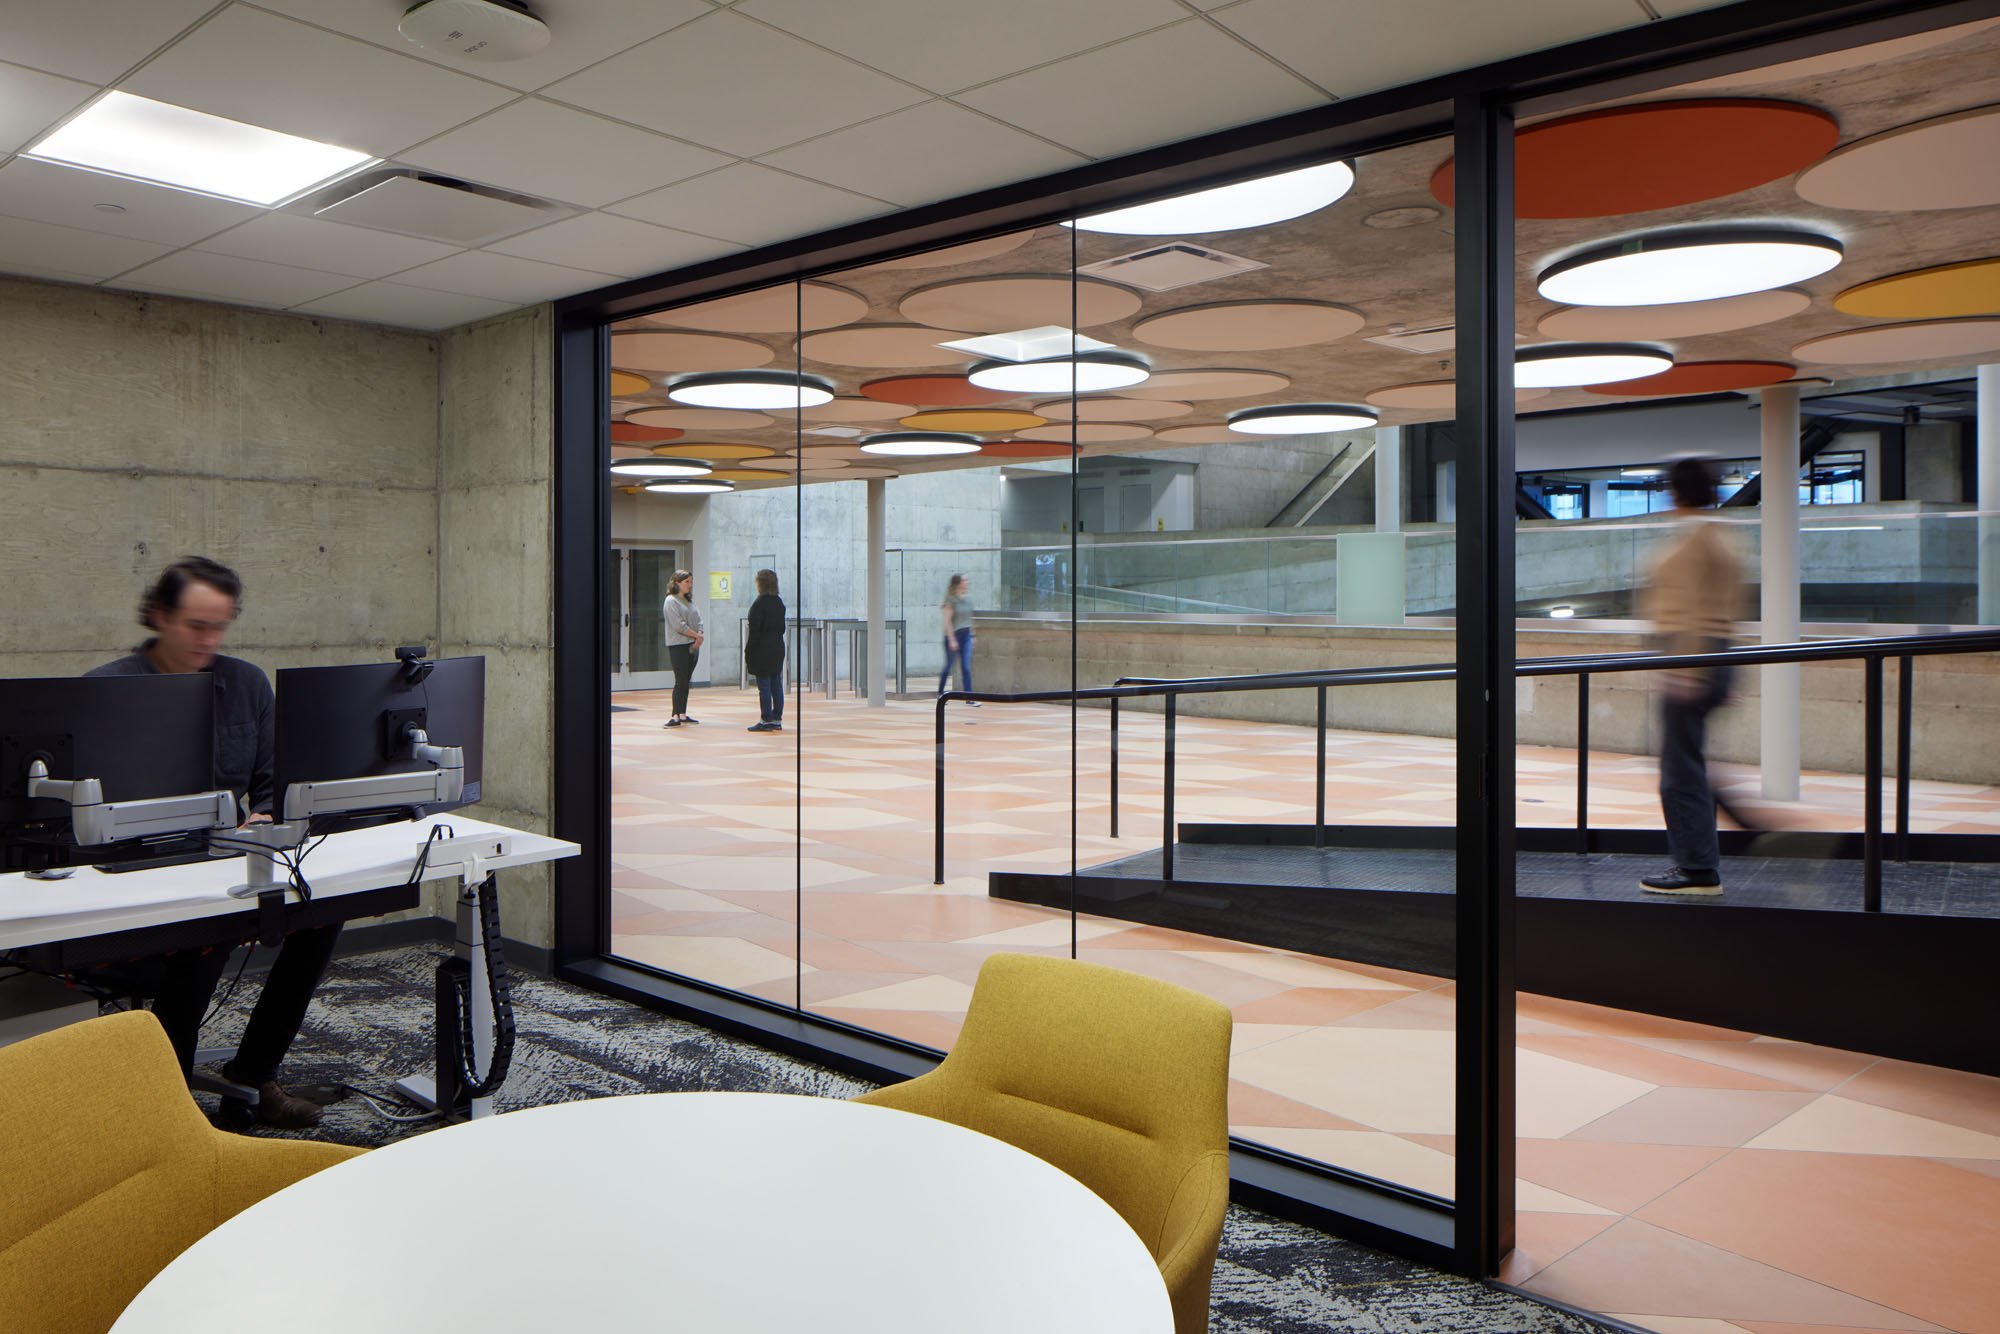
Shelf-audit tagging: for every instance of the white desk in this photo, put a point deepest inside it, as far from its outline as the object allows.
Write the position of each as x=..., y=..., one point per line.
x=713, y=1213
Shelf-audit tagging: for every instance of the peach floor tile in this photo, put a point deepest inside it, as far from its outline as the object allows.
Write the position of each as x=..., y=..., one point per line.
x=1723, y=1118
x=1540, y=1239
x=1653, y=1066
x=1951, y=1096
x=1618, y=1176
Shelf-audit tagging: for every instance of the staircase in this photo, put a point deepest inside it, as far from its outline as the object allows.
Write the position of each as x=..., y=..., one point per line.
x=1312, y=497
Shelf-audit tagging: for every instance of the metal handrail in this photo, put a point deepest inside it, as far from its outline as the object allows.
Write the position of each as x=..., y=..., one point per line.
x=1872, y=652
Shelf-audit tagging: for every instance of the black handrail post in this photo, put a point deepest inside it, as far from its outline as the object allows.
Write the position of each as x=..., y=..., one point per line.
x=937, y=874
x=1114, y=766
x=1905, y=689
x=1871, y=746
x=1167, y=793
x=1582, y=763
x=1319, y=778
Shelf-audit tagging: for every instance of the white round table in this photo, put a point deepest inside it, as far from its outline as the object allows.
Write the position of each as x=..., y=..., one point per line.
x=710, y=1212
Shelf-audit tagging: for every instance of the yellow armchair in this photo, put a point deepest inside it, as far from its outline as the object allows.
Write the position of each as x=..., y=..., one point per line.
x=108, y=1171
x=1120, y=1080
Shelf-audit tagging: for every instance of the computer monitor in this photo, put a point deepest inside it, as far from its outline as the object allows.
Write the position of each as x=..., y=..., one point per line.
x=339, y=724
x=126, y=766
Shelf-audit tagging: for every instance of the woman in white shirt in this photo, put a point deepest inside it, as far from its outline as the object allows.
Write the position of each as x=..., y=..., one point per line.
x=684, y=639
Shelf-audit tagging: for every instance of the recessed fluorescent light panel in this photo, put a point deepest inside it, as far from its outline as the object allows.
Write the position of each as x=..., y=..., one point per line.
x=123, y=135
x=1228, y=208
x=1668, y=268
x=1050, y=340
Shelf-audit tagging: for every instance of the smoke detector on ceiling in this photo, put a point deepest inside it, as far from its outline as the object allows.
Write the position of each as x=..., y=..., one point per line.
x=485, y=30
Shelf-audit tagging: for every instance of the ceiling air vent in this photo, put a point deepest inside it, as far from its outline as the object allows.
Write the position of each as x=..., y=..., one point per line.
x=436, y=208
x=1437, y=338
x=1162, y=268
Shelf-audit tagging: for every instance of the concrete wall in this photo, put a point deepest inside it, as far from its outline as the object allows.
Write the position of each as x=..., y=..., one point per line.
x=1244, y=486
x=1956, y=714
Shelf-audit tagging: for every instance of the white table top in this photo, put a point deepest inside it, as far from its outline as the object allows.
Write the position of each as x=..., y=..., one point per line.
x=716, y=1213
x=91, y=902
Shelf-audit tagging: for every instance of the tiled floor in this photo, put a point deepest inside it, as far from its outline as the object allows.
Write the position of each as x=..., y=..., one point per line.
x=1689, y=1179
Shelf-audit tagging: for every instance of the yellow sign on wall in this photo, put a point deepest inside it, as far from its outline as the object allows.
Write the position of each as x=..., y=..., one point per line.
x=718, y=586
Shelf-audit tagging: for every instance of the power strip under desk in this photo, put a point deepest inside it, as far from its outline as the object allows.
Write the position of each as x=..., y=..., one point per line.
x=465, y=848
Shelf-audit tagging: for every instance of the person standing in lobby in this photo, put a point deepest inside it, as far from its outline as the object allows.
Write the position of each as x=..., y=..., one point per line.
x=1692, y=597
x=955, y=613
x=684, y=640
x=764, y=653
x=189, y=610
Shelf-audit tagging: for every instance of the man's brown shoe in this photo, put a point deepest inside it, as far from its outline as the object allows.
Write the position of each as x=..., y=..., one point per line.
x=275, y=1108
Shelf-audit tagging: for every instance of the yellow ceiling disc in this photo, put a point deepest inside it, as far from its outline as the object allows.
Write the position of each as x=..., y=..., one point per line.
x=696, y=449
x=749, y=475
x=628, y=382
x=974, y=420
x=1948, y=291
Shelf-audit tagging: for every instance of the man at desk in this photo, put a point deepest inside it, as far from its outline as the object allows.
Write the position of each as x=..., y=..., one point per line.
x=189, y=610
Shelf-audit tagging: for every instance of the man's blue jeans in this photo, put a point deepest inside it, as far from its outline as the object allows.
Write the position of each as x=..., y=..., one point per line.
x=1687, y=801
x=771, y=698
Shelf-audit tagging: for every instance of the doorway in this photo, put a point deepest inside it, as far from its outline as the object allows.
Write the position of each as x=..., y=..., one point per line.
x=639, y=578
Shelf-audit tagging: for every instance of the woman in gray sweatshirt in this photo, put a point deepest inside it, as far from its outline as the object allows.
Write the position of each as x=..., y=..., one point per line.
x=684, y=637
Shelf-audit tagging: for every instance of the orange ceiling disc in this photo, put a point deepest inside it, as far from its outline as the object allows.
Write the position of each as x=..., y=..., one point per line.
x=933, y=391
x=1634, y=159
x=1702, y=377
x=628, y=382
x=975, y=420
x=1026, y=449
x=631, y=433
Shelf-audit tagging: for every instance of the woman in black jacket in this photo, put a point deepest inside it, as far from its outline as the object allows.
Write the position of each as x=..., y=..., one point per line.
x=764, y=653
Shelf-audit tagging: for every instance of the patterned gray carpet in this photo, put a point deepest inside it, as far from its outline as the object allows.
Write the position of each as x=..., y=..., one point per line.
x=372, y=1024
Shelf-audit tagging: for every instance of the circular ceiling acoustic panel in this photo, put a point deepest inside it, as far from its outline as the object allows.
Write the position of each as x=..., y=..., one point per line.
x=1019, y=301
x=632, y=433
x=630, y=452
x=977, y=421
x=1634, y=159
x=1207, y=384
x=1688, y=319
x=1113, y=409
x=1026, y=449
x=1945, y=292
x=750, y=475
x=852, y=409
x=934, y=391
x=1249, y=326
x=1434, y=396
x=1929, y=340
x=770, y=310
x=1201, y=435
x=1946, y=162
x=711, y=449
x=1701, y=377
x=887, y=345
x=628, y=382
x=1093, y=433
x=701, y=419
x=807, y=463
x=968, y=252
x=662, y=351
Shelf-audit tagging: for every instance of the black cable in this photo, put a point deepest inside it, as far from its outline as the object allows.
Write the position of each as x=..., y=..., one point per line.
x=438, y=831
x=457, y=974
x=228, y=994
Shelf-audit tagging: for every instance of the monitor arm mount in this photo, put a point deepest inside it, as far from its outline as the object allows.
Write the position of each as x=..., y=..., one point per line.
x=95, y=821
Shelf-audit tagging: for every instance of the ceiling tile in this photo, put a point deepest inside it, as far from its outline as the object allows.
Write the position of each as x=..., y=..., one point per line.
x=945, y=45
x=538, y=148
x=96, y=40
x=265, y=70
x=750, y=204
x=406, y=307
x=1351, y=47
x=503, y=277
x=613, y=245
x=31, y=101
x=735, y=85
x=925, y=153
x=332, y=247
x=41, y=247
x=1153, y=89
x=67, y=196
x=582, y=32
x=227, y=278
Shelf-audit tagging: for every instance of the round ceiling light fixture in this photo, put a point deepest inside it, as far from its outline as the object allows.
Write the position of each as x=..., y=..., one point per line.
x=690, y=486
x=751, y=390
x=655, y=467
x=1568, y=365
x=1083, y=373
x=1302, y=419
x=920, y=444
x=1229, y=208
x=1669, y=268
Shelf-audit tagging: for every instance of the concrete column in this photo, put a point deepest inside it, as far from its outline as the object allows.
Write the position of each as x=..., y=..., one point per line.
x=878, y=593
x=1779, y=685
x=1388, y=479
x=1987, y=463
